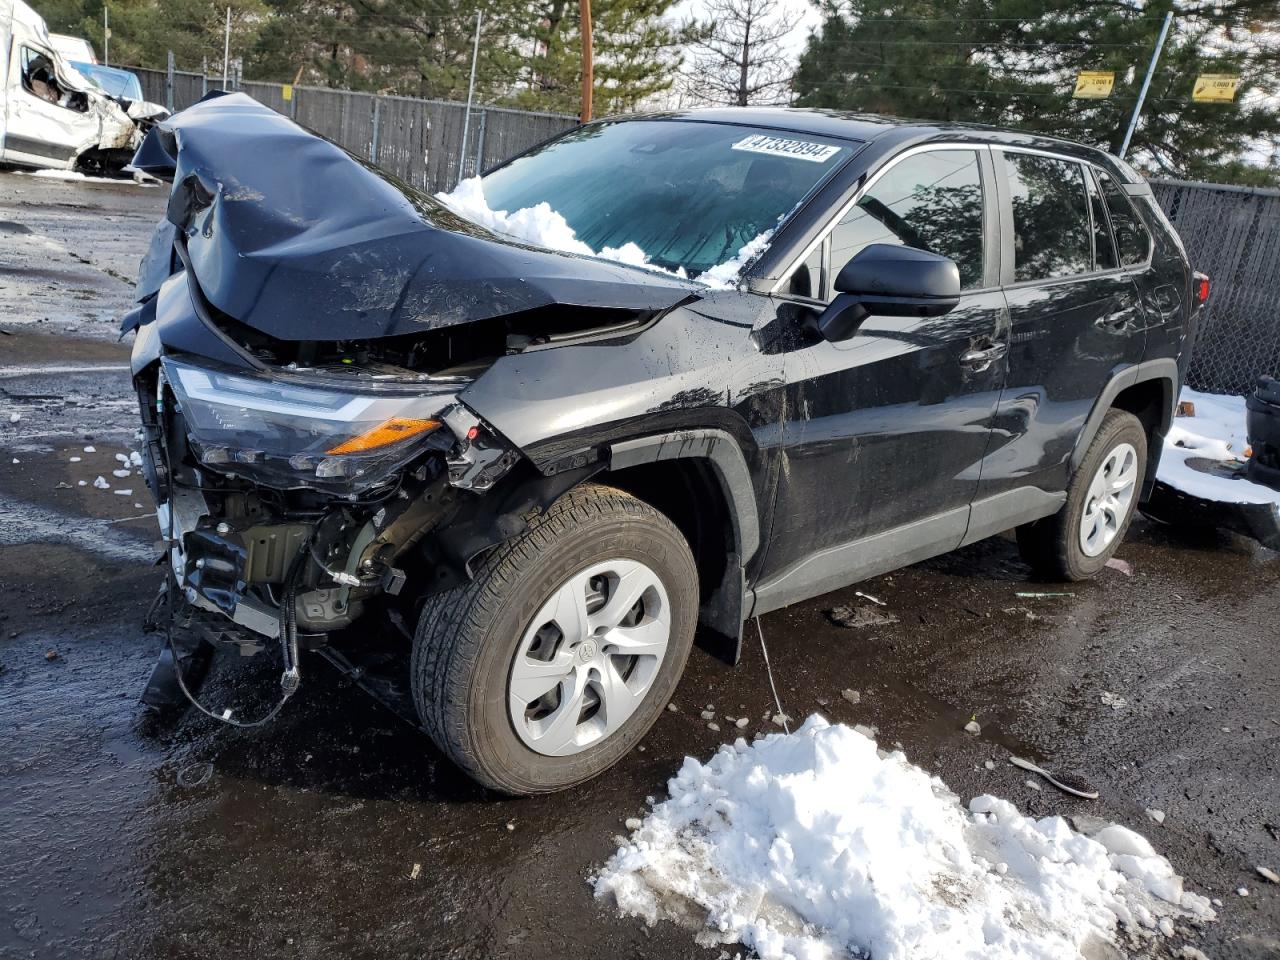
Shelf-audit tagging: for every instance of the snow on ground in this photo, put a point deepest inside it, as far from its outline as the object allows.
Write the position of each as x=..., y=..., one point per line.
x=1216, y=432
x=816, y=845
x=546, y=227
x=80, y=177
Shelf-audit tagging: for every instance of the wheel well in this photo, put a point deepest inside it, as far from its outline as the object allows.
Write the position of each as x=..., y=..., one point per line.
x=690, y=495
x=1150, y=402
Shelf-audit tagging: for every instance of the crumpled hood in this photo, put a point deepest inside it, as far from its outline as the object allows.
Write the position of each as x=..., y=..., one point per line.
x=146, y=110
x=291, y=235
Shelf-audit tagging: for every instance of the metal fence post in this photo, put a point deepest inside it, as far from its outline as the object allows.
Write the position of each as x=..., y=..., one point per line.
x=168, y=83
x=479, y=166
x=377, y=120
x=204, y=77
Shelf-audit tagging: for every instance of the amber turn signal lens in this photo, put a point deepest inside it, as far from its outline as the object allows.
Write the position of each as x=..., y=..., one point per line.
x=384, y=434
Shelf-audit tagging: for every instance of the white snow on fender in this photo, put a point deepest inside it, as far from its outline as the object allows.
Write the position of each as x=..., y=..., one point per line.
x=1216, y=432
x=817, y=845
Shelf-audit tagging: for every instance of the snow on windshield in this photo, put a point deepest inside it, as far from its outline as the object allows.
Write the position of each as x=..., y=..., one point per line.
x=545, y=227
x=815, y=844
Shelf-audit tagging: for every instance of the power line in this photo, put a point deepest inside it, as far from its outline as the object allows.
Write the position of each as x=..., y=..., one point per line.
x=977, y=42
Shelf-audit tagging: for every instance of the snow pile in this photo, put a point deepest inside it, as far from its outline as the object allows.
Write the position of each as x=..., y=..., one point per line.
x=1216, y=432
x=816, y=845
x=545, y=227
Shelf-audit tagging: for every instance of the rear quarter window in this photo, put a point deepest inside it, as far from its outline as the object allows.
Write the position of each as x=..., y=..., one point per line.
x=1133, y=240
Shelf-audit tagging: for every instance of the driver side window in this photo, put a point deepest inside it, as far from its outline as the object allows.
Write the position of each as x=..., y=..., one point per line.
x=930, y=201
x=38, y=76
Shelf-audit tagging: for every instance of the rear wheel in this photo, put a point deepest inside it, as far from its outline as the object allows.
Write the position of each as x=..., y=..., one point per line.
x=1077, y=541
x=559, y=655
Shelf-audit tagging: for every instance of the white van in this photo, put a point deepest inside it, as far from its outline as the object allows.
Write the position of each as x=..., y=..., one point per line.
x=51, y=116
x=73, y=49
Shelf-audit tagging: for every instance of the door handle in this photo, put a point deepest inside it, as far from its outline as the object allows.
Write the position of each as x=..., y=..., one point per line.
x=980, y=358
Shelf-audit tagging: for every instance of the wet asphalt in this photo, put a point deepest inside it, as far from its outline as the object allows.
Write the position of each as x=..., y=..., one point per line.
x=338, y=830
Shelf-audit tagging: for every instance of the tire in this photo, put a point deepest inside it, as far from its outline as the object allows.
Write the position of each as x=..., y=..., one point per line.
x=474, y=643
x=1057, y=547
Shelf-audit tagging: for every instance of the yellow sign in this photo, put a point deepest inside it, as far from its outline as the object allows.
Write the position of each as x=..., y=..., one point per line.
x=286, y=91
x=1215, y=88
x=1094, y=84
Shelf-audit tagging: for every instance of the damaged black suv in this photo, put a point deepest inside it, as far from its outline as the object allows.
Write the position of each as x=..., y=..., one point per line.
x=776, y=352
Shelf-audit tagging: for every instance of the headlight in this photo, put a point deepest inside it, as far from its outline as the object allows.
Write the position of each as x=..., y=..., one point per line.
x=287, y=433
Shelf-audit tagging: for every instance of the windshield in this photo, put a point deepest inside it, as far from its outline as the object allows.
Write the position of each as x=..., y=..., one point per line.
x=689, y=194
x=116, y=83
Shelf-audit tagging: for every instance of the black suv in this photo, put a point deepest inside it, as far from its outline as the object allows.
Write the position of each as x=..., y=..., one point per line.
x=813, y=347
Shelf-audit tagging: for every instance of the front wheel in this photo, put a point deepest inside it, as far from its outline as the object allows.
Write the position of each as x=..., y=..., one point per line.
x=558, y=656
x=1077, y=541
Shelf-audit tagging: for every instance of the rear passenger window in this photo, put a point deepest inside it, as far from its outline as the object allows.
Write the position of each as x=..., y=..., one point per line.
x=931, y=201
x=1131, y=234
x=1104, y=248
x=1050, y=217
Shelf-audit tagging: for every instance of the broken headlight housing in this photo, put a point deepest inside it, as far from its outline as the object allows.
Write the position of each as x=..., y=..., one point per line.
x=288, y=431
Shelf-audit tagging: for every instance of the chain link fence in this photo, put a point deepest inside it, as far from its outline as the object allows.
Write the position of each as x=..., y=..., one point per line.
x=419, y=141
x=1233, y=235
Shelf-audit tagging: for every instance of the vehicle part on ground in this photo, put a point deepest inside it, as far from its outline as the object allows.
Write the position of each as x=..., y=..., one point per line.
x=1077, y=541
x=1263, y=407
x=472, y=650
x=1066, y=782
x=1258, y=521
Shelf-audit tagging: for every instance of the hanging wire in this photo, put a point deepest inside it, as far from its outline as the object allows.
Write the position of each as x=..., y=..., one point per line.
x=772, y=686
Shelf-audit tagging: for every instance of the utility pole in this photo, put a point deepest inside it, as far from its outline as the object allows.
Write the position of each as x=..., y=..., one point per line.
x=471, y=92
x=106, y=37
x=1146, y=83
x=584, y=9
x=226, y=49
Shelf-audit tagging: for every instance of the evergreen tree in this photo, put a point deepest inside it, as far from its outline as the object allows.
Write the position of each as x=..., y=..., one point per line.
x=1014, y=63
x=738, y=58
x=144, y=31
x=636, y=53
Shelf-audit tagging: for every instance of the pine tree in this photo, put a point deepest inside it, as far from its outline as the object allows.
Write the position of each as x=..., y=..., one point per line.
x=737, y=58
x=636, y=51
x=1014, y=63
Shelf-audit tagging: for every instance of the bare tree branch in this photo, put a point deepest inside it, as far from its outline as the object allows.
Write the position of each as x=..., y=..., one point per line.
x=737, y=57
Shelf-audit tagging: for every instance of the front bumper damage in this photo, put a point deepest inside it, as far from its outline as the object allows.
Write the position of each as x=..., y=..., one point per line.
x=235, y=545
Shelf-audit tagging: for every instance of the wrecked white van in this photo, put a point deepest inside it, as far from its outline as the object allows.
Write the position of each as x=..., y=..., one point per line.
x=52, y=116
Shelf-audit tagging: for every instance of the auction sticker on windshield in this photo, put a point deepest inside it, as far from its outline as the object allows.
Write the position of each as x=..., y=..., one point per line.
x=782, y=147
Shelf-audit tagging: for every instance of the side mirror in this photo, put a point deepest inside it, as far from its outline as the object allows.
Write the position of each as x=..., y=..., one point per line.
x=891, y=281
